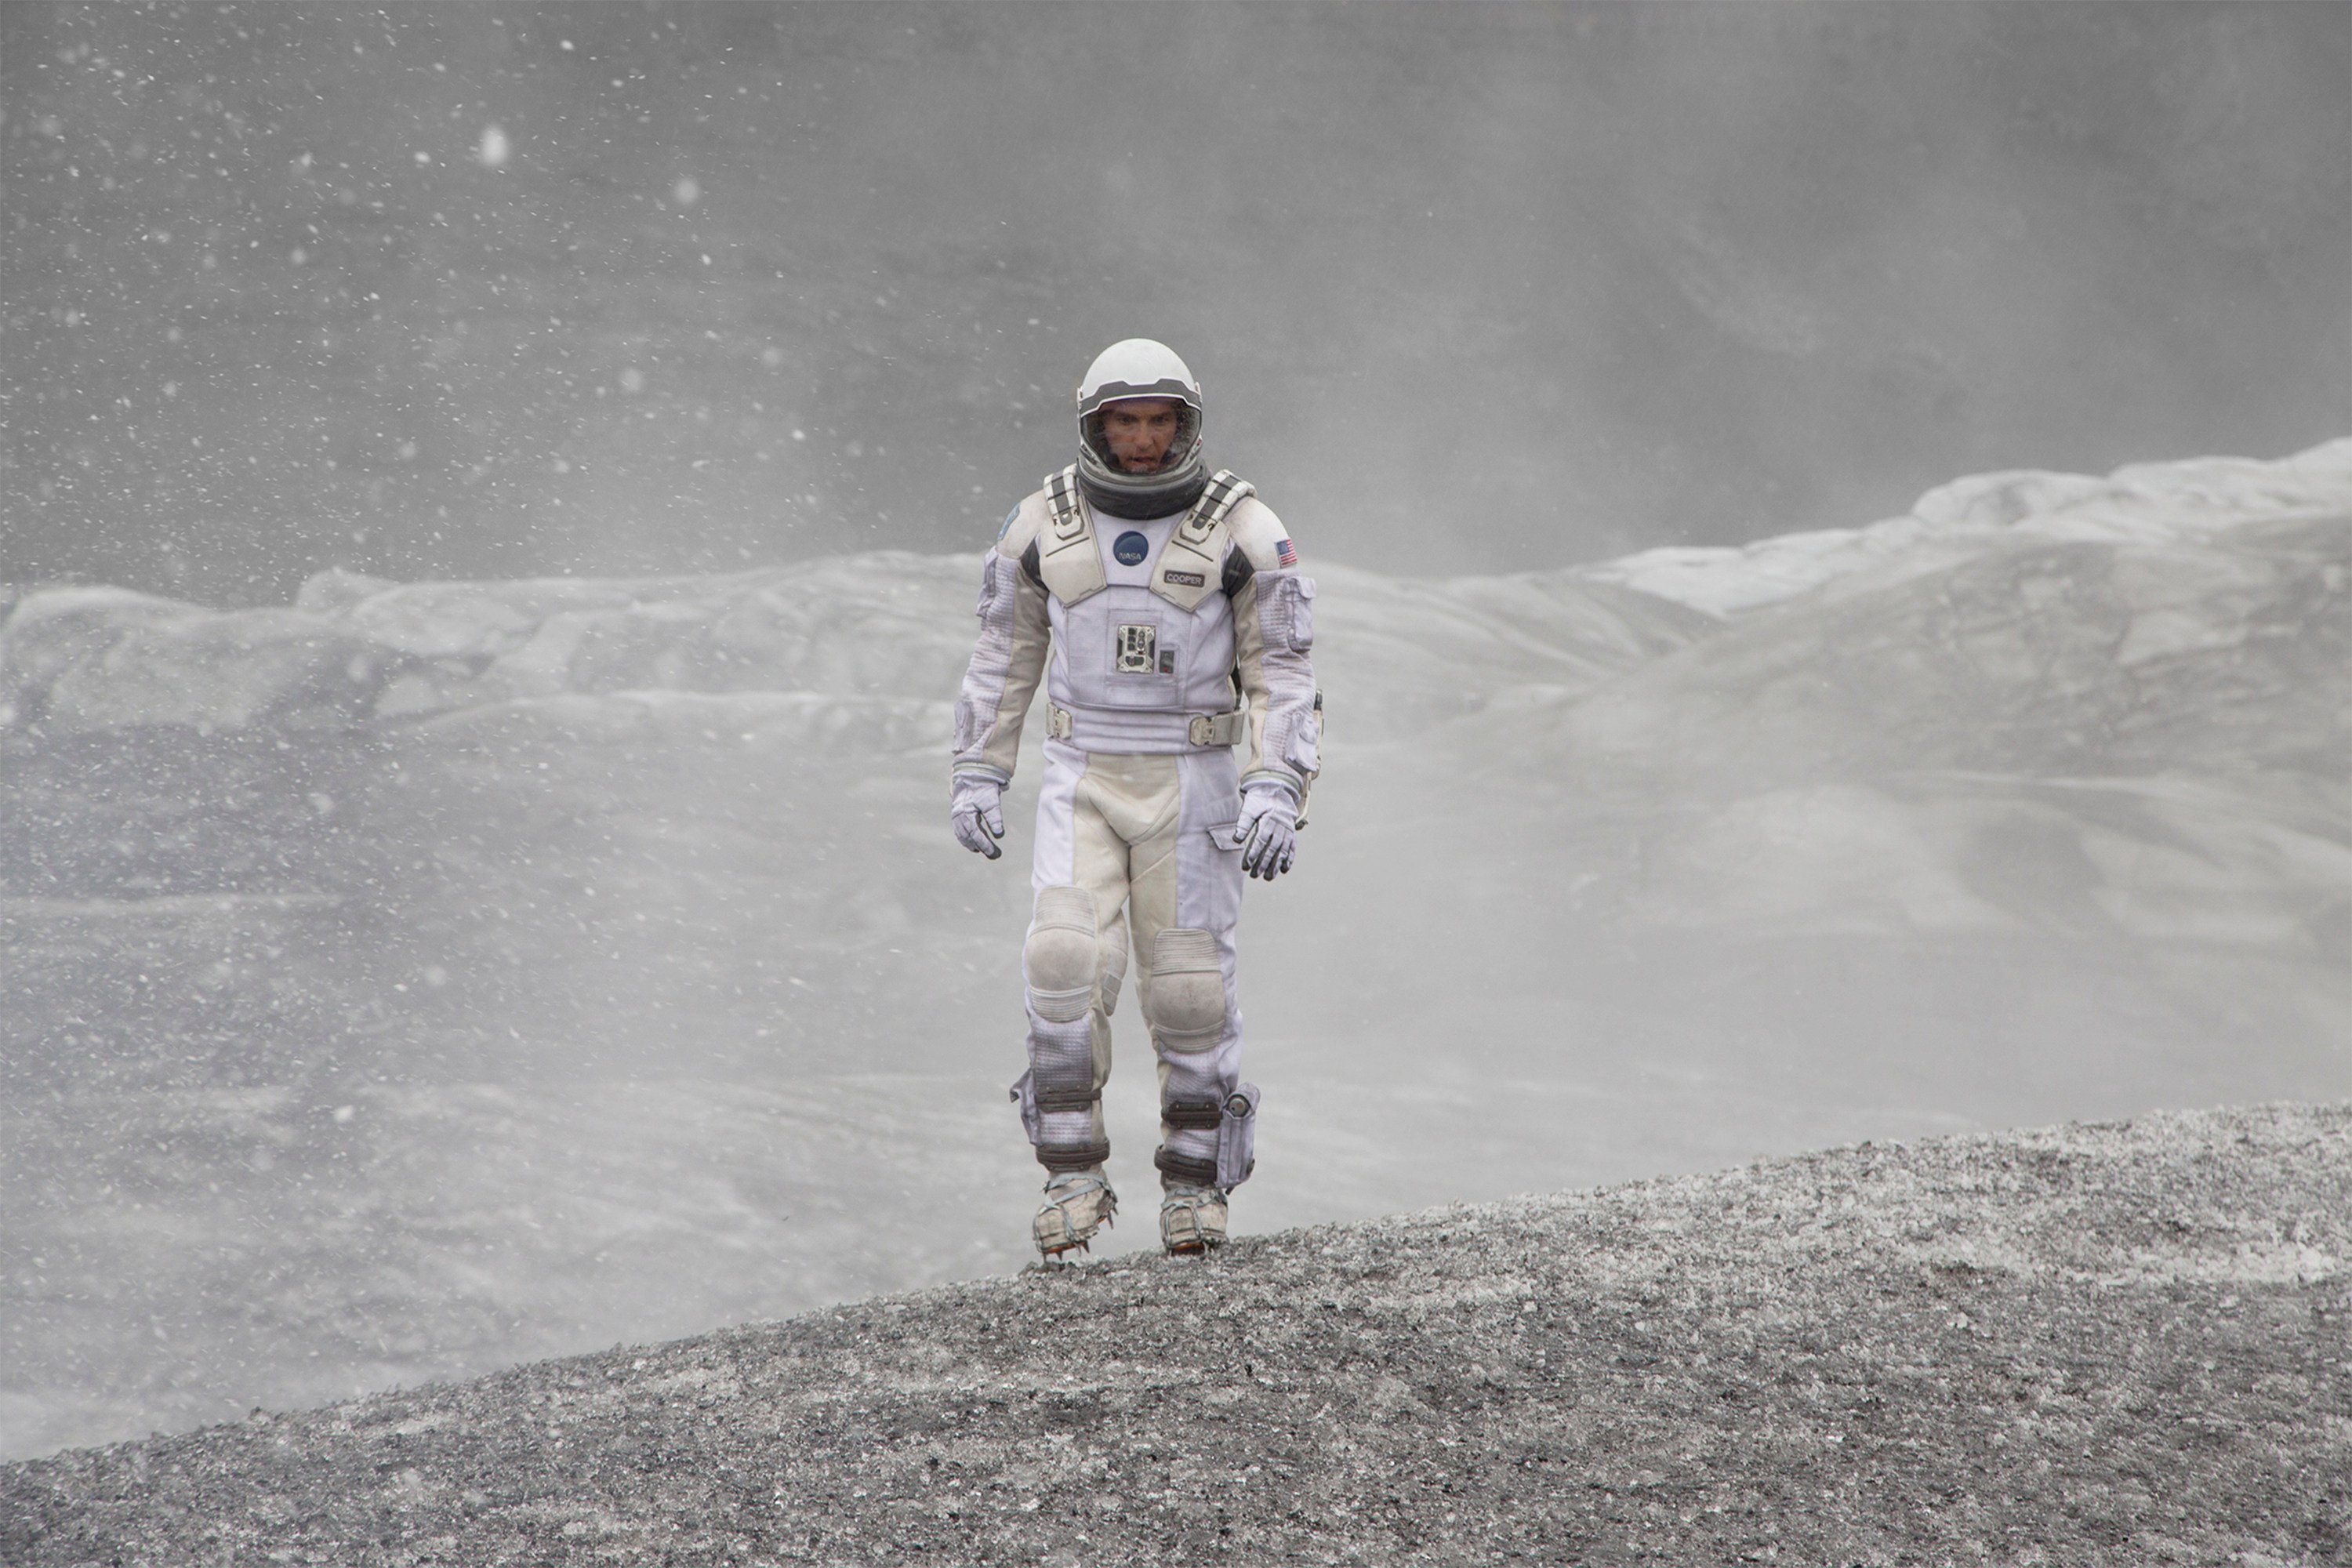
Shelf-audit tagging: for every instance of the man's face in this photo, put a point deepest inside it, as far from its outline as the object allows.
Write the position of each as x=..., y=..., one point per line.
x=1139, y=430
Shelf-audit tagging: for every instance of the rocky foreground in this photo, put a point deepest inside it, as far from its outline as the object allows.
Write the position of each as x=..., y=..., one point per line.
x=2120, y=1344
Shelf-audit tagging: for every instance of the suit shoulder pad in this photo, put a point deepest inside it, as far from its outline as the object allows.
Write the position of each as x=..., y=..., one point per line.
x=1022, y=525
x=1260, y=535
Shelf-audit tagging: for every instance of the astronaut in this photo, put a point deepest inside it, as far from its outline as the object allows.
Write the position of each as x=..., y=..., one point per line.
x=1163, y=608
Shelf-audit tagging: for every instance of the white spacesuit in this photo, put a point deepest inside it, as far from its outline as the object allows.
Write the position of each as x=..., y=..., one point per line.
x=1164, y=610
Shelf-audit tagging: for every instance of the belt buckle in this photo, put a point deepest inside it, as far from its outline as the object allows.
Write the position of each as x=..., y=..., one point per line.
x=1201, y=732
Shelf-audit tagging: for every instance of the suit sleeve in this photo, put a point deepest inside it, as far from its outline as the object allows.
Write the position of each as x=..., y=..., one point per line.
x=1008, y=660
x=1274, y=640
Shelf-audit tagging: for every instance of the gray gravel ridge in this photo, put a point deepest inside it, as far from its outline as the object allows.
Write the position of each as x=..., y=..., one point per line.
x=2114, y=1344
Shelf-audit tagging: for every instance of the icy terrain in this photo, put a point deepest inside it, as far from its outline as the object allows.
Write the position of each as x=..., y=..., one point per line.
x=426, y=977
x=2107, y=1346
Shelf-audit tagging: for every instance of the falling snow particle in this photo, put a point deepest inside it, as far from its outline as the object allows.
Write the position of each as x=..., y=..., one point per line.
x=495, y=148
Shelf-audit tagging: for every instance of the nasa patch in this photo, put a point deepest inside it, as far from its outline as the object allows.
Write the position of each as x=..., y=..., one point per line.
x=1129, y=548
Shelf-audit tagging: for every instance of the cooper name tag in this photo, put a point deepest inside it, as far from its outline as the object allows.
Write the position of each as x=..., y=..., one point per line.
x=1188, y=579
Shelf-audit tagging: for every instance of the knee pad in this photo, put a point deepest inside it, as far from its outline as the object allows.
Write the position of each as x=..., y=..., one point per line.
x=1060, y=957
x=1187, y=990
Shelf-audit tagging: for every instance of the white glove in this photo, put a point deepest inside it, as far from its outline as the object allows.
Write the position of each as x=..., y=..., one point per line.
x=977, y=815
x=1268, y=828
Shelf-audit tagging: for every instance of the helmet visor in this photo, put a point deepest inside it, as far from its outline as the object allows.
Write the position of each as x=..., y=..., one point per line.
x=1180, y=445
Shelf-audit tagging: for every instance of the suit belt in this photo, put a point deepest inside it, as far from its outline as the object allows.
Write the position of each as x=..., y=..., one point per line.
x=1117, y=726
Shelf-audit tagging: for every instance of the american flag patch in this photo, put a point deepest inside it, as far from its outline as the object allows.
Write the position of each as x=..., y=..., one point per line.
x=1285, y=555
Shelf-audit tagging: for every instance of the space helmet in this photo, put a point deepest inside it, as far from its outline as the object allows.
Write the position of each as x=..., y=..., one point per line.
x=1138, y=367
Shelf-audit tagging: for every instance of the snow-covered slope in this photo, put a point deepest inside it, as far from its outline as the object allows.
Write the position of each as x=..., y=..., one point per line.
x=424, y=976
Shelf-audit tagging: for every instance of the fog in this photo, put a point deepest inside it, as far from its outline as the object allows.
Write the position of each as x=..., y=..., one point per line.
x=492, y=507
x=1472, y=288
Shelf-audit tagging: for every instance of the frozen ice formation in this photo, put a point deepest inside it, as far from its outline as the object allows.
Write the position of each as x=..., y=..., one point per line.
x=2144, y=503
x=890, y=627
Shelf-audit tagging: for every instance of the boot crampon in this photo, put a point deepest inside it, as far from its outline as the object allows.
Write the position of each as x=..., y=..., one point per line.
x=1191, y=1219
x=1077, y=1204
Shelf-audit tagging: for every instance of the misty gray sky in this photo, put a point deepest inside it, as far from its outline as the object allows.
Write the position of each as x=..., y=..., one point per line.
x=1471, y=287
